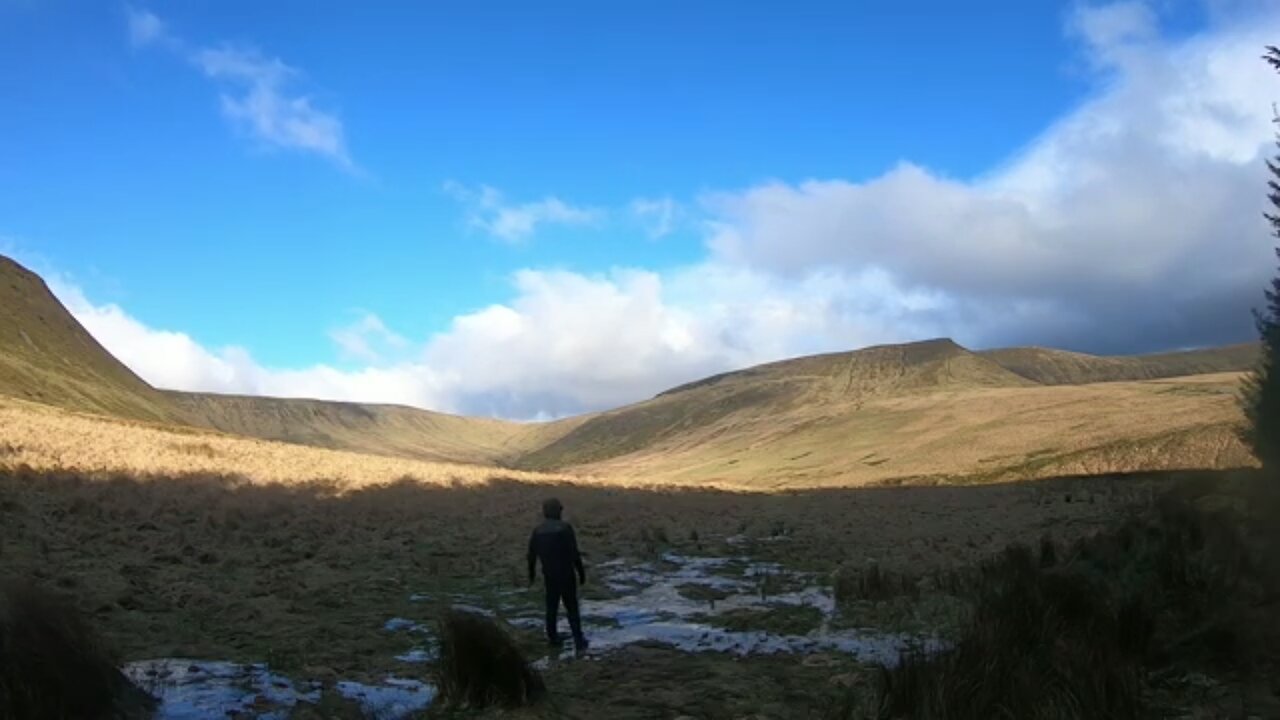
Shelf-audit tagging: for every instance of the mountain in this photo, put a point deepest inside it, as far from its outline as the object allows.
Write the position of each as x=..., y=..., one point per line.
x=774, y=391
x=380, y=429
x=46, y=356
x=1048, y=366
x=928, y=411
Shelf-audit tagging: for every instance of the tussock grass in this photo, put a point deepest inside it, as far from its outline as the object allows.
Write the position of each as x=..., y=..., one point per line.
x=872, y=582
x=1040, y=646
x=1080, y=638
x=46, y=438
x=481, y=665
x=53, y=665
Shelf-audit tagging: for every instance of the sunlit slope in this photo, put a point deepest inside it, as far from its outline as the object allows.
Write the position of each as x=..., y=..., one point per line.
x=929, y=409
x=46, y=356
x=964, y=434
x=924, y=411
x=1048, y=366
x=380, y=429
x=764, y=403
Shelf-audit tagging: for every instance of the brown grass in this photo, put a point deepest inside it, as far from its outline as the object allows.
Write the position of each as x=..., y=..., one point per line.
x=965, y=434
x=46, y=438
x=190, y=543
x=1173, y=591
x=303, y=574
x=481, y=665
x=54, y=665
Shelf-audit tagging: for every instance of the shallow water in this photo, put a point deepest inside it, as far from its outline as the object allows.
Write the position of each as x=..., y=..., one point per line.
x=648, y=607
x=394, y=699
x=420, y=655
x=199, y=689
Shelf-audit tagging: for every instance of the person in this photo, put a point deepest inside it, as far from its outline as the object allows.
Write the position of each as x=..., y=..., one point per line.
x=554, y=543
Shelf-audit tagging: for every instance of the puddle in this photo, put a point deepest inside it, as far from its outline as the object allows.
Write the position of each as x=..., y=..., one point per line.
x=649, y=607
x=201, y=689
x=395, y=699
x=652, y=608
x=396, y=624
x=198, y=689
x=420, y=655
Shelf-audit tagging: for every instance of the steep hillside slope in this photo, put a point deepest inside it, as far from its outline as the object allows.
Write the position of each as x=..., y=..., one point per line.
x=379, y=429
x=928, y=409
x=722, y=406
x=46, y=356
x=1061, y=367
x=962, y=434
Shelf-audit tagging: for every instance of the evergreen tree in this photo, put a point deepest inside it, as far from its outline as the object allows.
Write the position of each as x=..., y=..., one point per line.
x=1262, y=390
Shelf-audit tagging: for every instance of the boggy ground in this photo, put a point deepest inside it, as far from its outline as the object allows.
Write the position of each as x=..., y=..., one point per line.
x=305, y=577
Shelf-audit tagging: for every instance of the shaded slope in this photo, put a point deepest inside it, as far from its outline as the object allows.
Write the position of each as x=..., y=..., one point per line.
x=46, y=356
x=724, y=404
x=1062, y=367
x=379, y=429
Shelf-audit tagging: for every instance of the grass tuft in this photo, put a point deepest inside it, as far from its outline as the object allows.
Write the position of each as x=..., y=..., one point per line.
x=53, y=665
x=481, y=665
x=873, y=583
x=1079, y=637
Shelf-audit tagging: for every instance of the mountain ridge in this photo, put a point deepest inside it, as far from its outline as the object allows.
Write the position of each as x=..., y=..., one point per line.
x=740, y=416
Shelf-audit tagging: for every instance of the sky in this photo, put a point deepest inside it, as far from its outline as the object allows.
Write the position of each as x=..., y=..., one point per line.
x=531, y=210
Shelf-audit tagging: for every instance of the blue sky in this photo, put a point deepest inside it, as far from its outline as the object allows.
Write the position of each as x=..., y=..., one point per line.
x=530, y=211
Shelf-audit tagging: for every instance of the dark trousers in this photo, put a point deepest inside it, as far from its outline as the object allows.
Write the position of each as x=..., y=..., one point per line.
x=562, y=589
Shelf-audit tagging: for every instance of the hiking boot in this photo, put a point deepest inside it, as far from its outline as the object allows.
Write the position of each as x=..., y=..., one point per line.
x=556, y=641
x=580, y=646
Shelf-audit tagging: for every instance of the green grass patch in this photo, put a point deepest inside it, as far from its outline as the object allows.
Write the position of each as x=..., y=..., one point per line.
x=777, y=619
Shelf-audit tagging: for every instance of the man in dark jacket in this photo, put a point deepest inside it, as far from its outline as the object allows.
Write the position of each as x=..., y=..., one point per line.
x=555, y=544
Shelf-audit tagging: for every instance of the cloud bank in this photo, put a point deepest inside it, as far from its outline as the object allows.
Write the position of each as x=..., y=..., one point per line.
x=1132, y=224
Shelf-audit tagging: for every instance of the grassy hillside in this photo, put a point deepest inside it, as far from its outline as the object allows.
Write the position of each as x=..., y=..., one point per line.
x=929, y=411
x=1061, y=367
x=959, y=435
x=743, y=406
x=46, y=356
x=379, y=429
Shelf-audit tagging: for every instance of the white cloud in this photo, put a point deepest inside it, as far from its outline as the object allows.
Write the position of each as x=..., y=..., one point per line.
x=368, y=339
x=259, y=93
x=487, y=210
x=163, y=358
x=658, y=215
x=1134, y=223
x=145, y=27
x=564, y=344
x=1111, y=30
x=262, y=105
